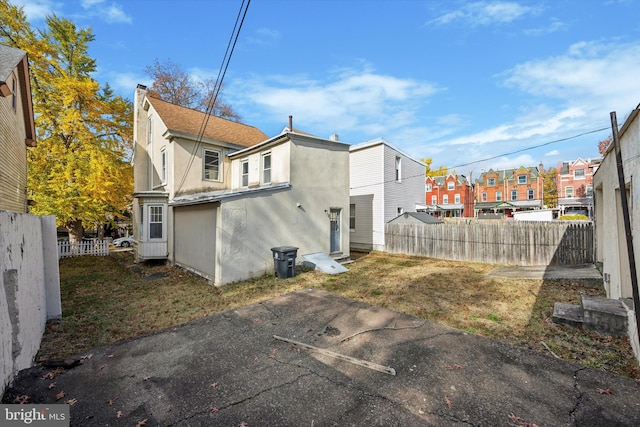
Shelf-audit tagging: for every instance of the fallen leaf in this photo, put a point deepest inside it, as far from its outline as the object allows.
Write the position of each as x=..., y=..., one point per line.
x=521, y=422
x=21, y=400
x=118, y=414
x=214, y=409
x=60, y=395
x=51, y=385
x=110, y=356
x=604, y=391
x=243, y=424
x=213, y=385
x=71, y=402
x=142, y=423
x=52, y=374
x=274, y=352
x=101, y=367
x=448, y=402
x=112, y=400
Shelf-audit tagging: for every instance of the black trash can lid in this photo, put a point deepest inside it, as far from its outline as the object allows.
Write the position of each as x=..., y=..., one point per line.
x=284, y=249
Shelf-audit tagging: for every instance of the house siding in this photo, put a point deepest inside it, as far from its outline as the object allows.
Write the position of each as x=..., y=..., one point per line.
x=13, y=161
x=367, y=193
x=405, y=193
x=194, y=245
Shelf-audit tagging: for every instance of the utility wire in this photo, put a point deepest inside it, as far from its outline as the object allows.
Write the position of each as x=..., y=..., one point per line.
x=222, y=71
x=491, y=158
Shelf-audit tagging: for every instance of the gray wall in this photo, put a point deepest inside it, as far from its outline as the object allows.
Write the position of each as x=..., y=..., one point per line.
x=30, y=283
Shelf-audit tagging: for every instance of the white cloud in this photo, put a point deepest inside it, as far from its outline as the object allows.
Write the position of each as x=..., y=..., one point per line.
x=485, y=13
x=356, y=100
x=554, y=27
x=111, y=12
x=264, y=36
x=37, y=10
x=127, y=82
x=552, y=153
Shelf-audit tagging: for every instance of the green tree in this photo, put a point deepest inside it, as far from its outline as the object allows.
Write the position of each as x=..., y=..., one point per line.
x=79, y=171
x=172, y=84
x=550, y=189
x=429, y=171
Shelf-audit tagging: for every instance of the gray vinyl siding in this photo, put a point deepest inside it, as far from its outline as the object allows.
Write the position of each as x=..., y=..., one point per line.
x=407, y=192
x=366, y=169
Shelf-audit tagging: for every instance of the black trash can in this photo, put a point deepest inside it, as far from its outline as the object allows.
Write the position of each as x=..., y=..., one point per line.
x=284, y=261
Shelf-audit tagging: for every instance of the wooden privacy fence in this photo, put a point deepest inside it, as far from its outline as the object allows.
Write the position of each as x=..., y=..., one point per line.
x=94, y=248
x=498, y=242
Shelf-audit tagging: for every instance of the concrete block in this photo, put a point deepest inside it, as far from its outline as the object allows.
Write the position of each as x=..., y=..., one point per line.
x=604, y=315
x=567, y=314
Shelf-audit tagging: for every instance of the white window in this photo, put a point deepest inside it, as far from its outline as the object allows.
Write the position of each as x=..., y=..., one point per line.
x=211, y=165
x=451, y=185
x=579, y=174
x=352, y=216
x=530, y=194
x=457, y=199
x=445, y=199
x=150, y=130
x=568, y=191
x=522, y=179
x=400, y=211
x=244, y=173
x=484, y=196
x=163, y=165
x=155, y=222
x=589, y=190
x=428, y=188
x=398, y=169
x=266, y=168
x=498, y=196
x=434, y=200
x=491, y=182
x=514, y=194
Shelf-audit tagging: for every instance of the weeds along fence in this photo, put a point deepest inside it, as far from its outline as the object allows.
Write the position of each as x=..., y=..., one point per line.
x=92, y=248
x=497, y=242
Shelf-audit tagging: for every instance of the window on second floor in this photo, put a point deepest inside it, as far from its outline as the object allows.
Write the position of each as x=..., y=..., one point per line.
x=514, y=194
x=400, y=210
x=434, y=200
x=14, y=93
x=211, y=165
x=428, y=188
x=491, y=182
x=163, y=165
x=498, y=196
x=398, y=169
x=266, y=168
x=568, y=192
x=244, y=173
x=579, y=174
x=589, y=190
x=522, y=179
x=530, y=194
x=451, y=185
x=484, y=197
x=445, y=199
x=457, y=199
x=150, y=130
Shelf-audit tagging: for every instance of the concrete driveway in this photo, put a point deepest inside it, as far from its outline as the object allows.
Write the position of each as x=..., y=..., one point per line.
x=228, y=370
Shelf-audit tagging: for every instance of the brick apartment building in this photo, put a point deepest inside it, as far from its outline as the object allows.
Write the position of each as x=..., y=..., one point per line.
x=506, y=191
x=574, y=181
x=449, y=196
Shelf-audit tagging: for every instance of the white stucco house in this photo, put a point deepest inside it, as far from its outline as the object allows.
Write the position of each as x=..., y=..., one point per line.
x=611, y=244
x=384, y=183
x=215, y=198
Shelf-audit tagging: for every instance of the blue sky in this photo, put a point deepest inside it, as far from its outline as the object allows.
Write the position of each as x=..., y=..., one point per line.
x=457, y=81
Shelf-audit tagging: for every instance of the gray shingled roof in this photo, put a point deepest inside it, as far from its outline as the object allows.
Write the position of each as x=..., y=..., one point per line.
x=9, y=58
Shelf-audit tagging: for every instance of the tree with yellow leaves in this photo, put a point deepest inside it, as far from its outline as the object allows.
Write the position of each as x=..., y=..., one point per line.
x=79, y=171
x=429, y=171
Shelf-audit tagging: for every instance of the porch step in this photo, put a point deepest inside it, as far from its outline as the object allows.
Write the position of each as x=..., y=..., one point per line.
x=602, y=315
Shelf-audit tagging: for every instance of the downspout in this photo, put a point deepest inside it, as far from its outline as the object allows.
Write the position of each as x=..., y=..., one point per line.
x=627, y=221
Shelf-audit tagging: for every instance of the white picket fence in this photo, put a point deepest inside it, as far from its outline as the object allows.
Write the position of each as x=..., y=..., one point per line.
x=92, y=248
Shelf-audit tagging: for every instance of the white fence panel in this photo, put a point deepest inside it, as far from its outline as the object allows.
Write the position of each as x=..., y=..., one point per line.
x=93, y=248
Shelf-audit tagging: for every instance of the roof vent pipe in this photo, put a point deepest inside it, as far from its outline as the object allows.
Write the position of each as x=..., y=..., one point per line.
x=290, y=123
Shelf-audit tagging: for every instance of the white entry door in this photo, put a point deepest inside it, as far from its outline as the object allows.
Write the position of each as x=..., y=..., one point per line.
x=334, y=217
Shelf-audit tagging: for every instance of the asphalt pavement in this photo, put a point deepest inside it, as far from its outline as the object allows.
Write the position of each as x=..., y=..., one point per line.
x=229, y=370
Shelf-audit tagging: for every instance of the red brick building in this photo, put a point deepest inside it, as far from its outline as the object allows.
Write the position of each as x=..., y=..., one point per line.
x=509, y=190
x=449, y=196
x=574, y=181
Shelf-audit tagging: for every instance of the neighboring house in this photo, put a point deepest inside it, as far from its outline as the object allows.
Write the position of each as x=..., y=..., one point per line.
x=416, y=218
x=17, y=129
x=216, y=205
x=509, y=190
x=384, y=184
x=574, y=181
x=611, y=243
x=449, y=196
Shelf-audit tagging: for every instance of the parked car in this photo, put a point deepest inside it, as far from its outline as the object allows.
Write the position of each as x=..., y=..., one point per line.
x=123, y=242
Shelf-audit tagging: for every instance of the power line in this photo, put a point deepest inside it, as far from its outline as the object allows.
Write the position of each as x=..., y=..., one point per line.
x=222, y=71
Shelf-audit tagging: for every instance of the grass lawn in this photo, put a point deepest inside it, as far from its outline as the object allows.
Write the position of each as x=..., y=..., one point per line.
x=109, y=299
